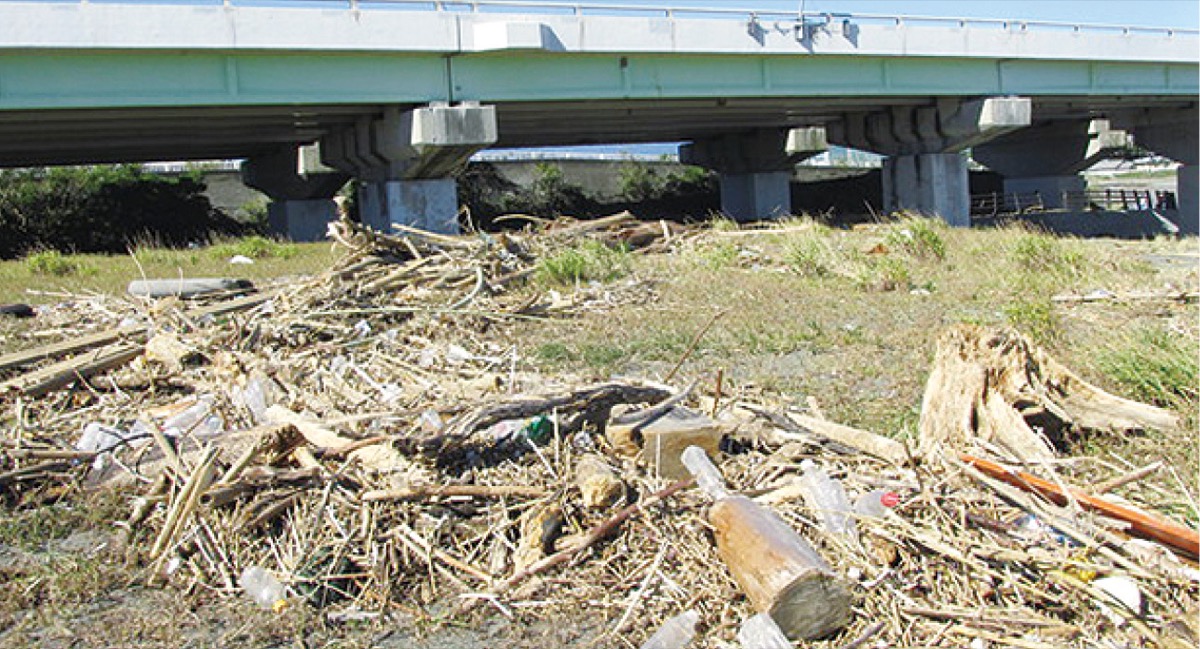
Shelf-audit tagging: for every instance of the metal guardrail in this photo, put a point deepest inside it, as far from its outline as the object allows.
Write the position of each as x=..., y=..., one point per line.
x=618, y=9
x=1124, y=200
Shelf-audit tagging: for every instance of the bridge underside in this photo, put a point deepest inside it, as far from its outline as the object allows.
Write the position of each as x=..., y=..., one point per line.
x=129, y=134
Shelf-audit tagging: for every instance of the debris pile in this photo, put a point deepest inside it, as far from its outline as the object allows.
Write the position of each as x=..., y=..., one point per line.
x=367, y=442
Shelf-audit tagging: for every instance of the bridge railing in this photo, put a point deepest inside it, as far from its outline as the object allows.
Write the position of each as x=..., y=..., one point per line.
x=568, y=7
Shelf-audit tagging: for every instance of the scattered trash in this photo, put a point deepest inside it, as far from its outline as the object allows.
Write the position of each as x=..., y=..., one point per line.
x=187, y=287
x=761, y=632
x=17, y=310
x=373, y=434
x=264, y=589
x=675, y=633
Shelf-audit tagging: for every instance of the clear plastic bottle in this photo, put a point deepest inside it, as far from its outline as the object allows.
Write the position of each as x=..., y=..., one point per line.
x=197, y=420
x=675, y=633
x=264, y=589
x=875, y=504
x=761, y=632
x=828, y=498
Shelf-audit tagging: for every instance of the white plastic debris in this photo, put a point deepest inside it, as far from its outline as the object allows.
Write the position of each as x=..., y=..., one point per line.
x=240, y=260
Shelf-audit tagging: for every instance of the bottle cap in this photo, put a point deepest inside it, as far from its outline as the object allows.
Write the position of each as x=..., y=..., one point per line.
x=889, y=499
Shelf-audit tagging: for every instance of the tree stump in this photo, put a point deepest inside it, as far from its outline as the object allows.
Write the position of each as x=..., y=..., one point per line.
x=996, y=386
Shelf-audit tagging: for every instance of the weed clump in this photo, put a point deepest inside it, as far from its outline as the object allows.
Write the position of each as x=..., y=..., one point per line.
x=1035, y=317
x=589, y=261
x=54, y=263
x=254, y=247
x=918, y=237
x=1156, y=366
x=1040, y=253
x=810, y=252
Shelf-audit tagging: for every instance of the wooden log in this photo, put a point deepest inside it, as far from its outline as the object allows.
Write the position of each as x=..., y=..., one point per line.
x=779, y=571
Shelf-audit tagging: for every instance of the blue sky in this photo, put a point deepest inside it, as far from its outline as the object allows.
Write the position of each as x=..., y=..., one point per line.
x=1149, y=13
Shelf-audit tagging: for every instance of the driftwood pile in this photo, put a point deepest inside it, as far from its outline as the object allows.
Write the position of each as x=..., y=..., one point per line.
x=371, y=437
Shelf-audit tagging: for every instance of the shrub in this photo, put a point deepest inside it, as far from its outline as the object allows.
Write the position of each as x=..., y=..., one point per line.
x=102, y=209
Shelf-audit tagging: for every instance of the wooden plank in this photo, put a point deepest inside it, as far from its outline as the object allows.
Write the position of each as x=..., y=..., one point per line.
x=63, y=373
x=74, y=345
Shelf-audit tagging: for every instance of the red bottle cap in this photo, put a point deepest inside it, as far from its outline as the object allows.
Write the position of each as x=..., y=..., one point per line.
x=889, y=499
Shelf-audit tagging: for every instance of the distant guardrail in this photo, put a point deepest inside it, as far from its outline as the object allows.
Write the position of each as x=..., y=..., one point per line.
x=810, y=19
x=1124, y=200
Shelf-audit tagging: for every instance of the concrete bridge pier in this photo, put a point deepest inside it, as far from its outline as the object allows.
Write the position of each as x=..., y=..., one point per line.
x=300, y=188
x=756, y=168
x=405, y=162
x=1173, y=133
x=925, y=171
x=1047, y=159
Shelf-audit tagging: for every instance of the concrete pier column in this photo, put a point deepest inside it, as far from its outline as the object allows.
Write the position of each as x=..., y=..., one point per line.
x=405, y=161
x=1172, y=132
x=926, y=170
x=931, y=184
x=429, y=204
x=1187, y=196
x=755, y=168
x=301, y=191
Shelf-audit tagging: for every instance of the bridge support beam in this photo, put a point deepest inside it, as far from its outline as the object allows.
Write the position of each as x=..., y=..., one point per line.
x=924, y=172
x=405, y=162
x=756, y=168
x=1172, y=132
x=1047, y=159
x=301, y=191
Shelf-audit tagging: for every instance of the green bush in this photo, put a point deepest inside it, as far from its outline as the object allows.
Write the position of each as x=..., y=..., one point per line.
x=102, y=209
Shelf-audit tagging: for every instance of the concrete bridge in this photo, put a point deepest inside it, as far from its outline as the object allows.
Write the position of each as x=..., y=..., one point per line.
x=399, y=93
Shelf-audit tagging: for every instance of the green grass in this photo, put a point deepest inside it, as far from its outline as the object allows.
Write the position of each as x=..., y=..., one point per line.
x=1154, y=365
x=586, y=262
x=47, y=276
x=918, y=237
x=52, y=263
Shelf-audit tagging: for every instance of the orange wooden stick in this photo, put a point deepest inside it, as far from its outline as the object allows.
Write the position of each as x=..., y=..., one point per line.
x=1182, y=539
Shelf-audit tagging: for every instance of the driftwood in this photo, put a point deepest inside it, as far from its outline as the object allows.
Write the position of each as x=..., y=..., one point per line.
x=64, y=373
x=72, y=346
x=874, y=445
x=995, y=386
x=595, y=402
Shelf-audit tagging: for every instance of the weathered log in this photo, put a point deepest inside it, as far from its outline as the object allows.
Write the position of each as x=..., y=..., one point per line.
x=63, y=373
x=991, y=385
x=878, y=446
x=595, y=402
x=660, y=442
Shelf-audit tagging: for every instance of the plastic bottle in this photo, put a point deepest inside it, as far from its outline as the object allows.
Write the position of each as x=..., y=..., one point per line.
x=761, y=632
x=828, y=498
x=675, y=633
x=264, y=589
x=875, y=504
x=196, y=420
x=254, y=395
